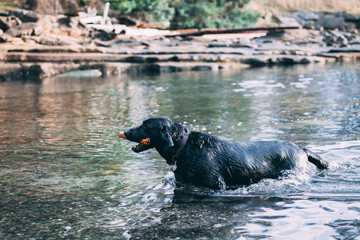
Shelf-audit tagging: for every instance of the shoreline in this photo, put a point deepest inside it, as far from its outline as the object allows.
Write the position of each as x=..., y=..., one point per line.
x=56, y=45
x=38, y=62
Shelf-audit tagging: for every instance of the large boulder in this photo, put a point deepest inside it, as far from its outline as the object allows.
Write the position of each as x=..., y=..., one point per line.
x=70, y=7
x=307, y=15
x=6, y=38
x=331, y=22
x=306, y=19
x=355, y=19
x=324, y=20
x=25, y=15
x=7, y=22
x=25, y=29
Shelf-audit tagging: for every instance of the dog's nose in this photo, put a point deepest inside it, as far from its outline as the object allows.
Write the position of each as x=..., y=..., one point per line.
x=122, y=135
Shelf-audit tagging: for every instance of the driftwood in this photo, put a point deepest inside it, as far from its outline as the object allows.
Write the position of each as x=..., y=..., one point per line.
x=232, y=30
x=130, y=22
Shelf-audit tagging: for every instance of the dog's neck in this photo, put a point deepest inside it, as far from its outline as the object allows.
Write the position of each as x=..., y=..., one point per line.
x=181, y=148
x=180, y=137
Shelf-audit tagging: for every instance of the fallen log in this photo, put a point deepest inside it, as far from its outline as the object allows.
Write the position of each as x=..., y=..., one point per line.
x=233, y=30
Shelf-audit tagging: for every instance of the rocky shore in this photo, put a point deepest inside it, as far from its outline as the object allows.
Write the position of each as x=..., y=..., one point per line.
x=36, y=46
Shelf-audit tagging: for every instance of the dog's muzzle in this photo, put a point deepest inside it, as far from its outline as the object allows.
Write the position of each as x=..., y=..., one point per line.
x=122, y=135
x=144, y=144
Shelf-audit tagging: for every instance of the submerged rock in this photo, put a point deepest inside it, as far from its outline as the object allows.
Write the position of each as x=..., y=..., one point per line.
x=23, y=72
x=89, y=73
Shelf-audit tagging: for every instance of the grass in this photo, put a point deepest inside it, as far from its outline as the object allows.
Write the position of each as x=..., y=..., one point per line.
x=7, y=5
x=349, y=6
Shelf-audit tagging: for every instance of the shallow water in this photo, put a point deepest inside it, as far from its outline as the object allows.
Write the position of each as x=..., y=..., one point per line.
x=65, y=174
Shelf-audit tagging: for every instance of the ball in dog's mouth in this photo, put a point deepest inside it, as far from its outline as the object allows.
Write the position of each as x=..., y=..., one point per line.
x=144, y=144
x=122, y=135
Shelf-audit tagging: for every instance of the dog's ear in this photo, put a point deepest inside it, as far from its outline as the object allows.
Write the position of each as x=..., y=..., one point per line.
x=165, y=136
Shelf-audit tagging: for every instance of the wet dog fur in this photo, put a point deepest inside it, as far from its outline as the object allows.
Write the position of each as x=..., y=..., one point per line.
x=204, y=160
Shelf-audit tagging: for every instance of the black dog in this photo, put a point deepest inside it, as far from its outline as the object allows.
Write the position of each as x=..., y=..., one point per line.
x=208, y=161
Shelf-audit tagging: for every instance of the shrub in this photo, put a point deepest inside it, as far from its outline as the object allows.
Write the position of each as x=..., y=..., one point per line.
x=190, y=13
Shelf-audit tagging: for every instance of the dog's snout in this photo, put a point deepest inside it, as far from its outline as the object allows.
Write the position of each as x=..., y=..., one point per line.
x=133, y=134
x=122, y=135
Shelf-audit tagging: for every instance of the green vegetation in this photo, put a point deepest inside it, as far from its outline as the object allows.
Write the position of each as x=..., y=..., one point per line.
x=9, y=4
x=189, y=13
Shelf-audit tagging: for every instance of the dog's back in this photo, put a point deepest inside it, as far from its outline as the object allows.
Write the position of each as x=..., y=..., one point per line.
x=216, y=163
x=249, y=162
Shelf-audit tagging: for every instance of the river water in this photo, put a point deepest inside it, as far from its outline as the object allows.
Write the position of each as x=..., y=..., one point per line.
x=65, y=174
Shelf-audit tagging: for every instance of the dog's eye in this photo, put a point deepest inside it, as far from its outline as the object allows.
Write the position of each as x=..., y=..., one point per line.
x=163, y=128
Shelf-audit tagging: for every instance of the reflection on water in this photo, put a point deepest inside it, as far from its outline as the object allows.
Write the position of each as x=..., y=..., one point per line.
x=65, y=174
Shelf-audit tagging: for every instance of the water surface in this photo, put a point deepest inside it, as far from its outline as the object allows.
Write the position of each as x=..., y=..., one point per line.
x=65, y=174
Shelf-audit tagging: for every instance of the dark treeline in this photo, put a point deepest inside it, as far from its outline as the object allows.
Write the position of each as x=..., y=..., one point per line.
x=182, y=14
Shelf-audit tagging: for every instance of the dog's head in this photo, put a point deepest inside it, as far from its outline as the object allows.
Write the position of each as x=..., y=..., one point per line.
x=154, y=132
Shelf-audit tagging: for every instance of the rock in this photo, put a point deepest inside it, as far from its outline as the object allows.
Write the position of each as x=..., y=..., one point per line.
x=182, y=67
x=355, y=41
x=103, y=35
x=25, y=29
x=131, y=42
x=219, y=44
x=88, y=73
x=307, y=15
x=355, y=19
x=352, y=49
x=255, y=61
x=51, y=42
x=203, y=68
x=325, y=20
x=4, y=26
x=289, y=21
x=127, y=21
x=70, y=7
x=32, y=4
x=33, y=72
x=64, y=21
x=335, y=38
x=25, y=15
x=294, y=35
x=331, y=22
x=304, y=37
x=305, y=60
x=21, y=72
x=6, y=38
x=306, y=19
x=45, y=24
x=4, y=13
x=286, y=61
x=152, y=59
x=135, y=59
x=241, y=43
x=8, y=22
